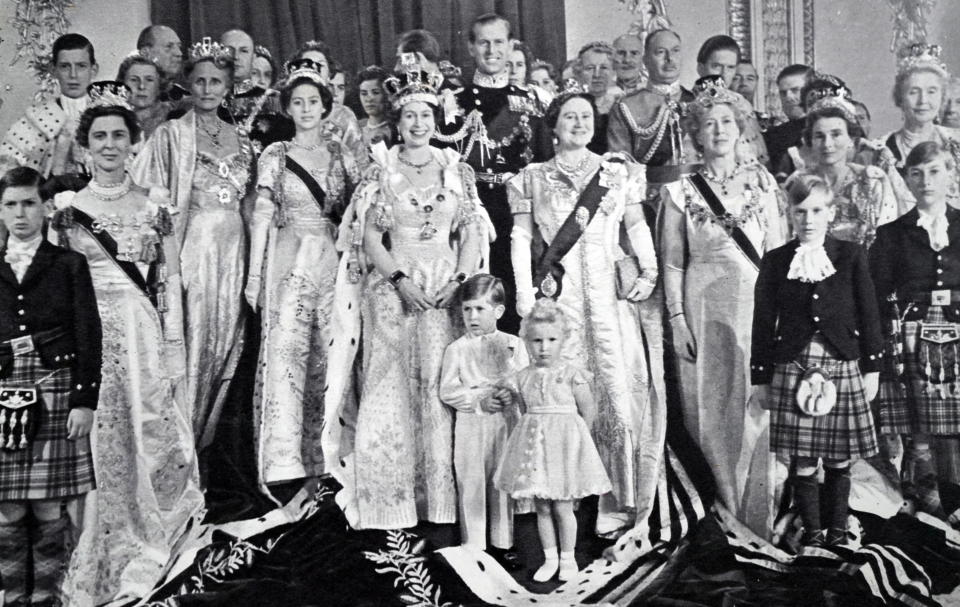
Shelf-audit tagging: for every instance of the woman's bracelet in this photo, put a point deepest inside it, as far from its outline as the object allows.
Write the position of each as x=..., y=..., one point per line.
x=672, y=316
x=396, y=277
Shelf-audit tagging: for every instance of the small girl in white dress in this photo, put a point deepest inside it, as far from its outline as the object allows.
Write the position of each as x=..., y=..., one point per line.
x=550, y=455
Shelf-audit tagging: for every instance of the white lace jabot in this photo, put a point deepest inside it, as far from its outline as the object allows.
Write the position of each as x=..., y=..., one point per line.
x=19, y=253
x=810, y=263
x=936, y=227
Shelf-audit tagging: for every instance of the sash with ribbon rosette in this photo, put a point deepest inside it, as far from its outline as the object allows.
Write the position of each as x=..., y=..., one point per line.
x=548, y=274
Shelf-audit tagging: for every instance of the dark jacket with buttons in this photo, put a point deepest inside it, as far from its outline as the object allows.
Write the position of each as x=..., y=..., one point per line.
x=56, y=293
x=842, y=307
x=903, y=263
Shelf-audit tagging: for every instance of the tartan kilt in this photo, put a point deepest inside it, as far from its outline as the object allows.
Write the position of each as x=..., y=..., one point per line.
x=847, y=432
x=904, y=406
x=52, y=466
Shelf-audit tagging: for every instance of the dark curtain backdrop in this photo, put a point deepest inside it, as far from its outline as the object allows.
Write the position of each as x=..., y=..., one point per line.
x=364, y=32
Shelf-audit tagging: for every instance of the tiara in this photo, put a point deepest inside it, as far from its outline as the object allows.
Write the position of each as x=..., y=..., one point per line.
x=449, y=70
x=919, y=56
x=711, y=91
x=262, y=51
x=208, y=49
x=304, y=68
x=836, y=100
x=109, y=92
x=413, y=86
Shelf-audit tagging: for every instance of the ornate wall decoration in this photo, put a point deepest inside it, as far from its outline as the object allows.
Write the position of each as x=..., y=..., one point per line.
x=647, y=9
x=38, y=23
x=773, y=34
x=910, y=19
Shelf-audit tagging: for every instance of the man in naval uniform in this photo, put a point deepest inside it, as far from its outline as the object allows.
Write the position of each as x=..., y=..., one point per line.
x=497, y=129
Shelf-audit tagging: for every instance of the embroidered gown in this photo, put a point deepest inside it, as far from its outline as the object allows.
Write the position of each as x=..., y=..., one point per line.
x=207, y=191
x=610, y=335
x=293, y=246
x=394, y=454
x=718, y=290
x=143, y=447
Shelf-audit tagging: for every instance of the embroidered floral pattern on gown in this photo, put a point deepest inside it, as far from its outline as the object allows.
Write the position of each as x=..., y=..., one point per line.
x=403, y=445
x=147, y=479
x=213, y=255
x=718, y=304
x=299, y=272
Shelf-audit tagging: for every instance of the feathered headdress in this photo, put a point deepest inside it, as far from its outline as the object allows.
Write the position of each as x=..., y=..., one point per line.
x=109, y=93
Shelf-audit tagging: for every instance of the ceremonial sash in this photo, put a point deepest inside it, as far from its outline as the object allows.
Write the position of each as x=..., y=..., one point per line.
x=548, y=275
x=319, y=196
x=716, y=207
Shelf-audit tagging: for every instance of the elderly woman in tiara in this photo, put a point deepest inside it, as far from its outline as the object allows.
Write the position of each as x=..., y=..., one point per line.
x=303, y=186
x=574, y=206
x=206, y=164
x=919, y=90
x=864, y=197
x=148, y=483
x=717, y=223
x=417, y=230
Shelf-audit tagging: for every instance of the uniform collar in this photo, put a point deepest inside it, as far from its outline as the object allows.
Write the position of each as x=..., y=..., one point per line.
x=496, y=81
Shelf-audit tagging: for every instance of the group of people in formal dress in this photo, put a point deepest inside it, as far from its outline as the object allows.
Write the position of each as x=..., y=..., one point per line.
x=479, y=299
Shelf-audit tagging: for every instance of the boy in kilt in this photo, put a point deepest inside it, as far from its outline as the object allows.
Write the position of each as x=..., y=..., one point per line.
x=915, y=265
x=50, y=357
x=815, y=358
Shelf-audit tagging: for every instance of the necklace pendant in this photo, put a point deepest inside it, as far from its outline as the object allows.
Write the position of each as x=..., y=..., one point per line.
x=223, y=170
x=427, y=231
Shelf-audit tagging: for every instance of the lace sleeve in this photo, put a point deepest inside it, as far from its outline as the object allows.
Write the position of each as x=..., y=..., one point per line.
x=270, y=166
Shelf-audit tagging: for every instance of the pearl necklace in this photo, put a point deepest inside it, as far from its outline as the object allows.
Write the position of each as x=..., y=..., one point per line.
x=573, y=171
x=110, y=192
x=310, y=148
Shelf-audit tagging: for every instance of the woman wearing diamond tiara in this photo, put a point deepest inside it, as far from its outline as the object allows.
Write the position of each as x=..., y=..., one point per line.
x=919, y=91
x=206, y=164
x=608, y=328
x=148, y=484
x=303, y=186
x=417, y=232
x=716, y=225
x=864, y=198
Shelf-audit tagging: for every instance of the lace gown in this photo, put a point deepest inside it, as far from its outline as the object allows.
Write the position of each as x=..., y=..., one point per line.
x=609, y=335
x=147, y=479
x=718, y=286
x=299, y=271
x=212, y=257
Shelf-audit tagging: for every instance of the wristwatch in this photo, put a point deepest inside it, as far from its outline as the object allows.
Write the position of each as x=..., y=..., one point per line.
x=396, y=277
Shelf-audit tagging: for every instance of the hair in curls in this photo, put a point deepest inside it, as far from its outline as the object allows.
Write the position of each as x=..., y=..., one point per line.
x=853, y=129
x=133, y=60
x=802, y=185
x=552, y=115
x=928, y=151
x=286, y=92
x=545, y=312
x=99, y=111
x=483, y=286
x=900, y=82
x=20, y=177
x=693, y=122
